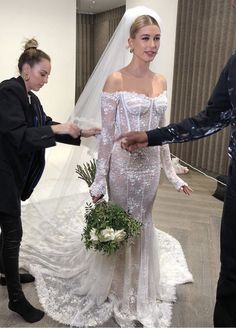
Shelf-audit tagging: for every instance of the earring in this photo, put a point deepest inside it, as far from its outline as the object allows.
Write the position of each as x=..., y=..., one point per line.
x=131, y=50
x=26, y=78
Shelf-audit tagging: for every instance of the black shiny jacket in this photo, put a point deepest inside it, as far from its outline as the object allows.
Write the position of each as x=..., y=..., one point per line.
x=219, y=113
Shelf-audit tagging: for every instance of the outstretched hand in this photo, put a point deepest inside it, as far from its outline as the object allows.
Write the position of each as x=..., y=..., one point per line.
x=131, y=141
x=66, y=128
x=186, y=189
x=86, y=133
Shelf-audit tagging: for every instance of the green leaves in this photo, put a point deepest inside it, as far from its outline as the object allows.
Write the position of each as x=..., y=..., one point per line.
x=108, y=216
x=108, y=225
x=87, y=172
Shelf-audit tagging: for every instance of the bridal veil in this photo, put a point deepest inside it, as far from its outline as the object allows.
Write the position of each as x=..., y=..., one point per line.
x=59, y=179
x=53, y=218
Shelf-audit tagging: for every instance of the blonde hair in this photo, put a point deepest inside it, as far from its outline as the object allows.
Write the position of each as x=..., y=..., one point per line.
x=31, y=54
x=140, y=22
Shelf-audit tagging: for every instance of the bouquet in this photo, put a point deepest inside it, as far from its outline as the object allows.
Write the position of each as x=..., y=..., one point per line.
x=108, y=226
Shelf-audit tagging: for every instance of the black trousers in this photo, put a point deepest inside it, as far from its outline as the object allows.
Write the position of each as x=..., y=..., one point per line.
x=10, y=239
x=225, y=307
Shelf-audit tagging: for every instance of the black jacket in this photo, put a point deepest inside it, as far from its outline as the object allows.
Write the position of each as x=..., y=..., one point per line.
x=219, y=113
x=25, y=132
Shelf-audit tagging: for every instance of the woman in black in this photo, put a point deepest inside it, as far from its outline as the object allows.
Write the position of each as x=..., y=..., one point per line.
x=25, y=132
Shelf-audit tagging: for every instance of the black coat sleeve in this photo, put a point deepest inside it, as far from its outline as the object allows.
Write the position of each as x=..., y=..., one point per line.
x=15, y=126
x=217, y=115
x=63, y=138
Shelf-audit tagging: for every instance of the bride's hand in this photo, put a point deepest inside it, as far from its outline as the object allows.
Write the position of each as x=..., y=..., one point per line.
x=86, y=133
x=96, y=198
x=186, y=189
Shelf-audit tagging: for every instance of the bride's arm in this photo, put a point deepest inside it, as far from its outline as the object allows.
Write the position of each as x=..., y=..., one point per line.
x=108, y=114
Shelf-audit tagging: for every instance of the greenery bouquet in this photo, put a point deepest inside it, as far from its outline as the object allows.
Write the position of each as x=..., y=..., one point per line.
x=108, y=226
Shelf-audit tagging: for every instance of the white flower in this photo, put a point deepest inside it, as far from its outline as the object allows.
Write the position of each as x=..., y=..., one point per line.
x=107, y=234
x=93, y=235
x=120, y=235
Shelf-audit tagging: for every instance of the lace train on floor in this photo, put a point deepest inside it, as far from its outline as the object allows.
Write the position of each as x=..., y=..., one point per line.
x=82, y=288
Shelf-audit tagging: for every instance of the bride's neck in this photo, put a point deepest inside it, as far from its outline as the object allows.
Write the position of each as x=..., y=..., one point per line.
x=138, y=70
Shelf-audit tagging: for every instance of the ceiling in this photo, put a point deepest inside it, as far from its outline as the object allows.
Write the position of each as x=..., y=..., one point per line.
x=97, y=6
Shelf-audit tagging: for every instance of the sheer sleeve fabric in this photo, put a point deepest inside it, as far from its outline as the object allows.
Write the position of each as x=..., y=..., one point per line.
x=167, y=163
x=109, y=102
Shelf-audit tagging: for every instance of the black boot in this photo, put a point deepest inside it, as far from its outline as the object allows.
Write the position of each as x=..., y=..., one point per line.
x=25, y=310
x=24, y=278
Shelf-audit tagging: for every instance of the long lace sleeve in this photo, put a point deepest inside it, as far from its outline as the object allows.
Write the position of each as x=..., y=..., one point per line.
x=167, y=163
x=108, y=113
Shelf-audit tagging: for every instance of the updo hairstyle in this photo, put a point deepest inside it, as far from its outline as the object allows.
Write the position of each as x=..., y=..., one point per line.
x=31, y=54
x=140, y=22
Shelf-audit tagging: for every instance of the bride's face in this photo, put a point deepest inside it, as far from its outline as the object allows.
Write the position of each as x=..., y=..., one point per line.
x=146, y=43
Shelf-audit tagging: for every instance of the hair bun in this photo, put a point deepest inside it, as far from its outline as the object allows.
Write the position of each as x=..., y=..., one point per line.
x=32, y=43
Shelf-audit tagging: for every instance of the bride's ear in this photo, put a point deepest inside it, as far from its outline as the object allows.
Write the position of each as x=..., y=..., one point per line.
x=130, y=43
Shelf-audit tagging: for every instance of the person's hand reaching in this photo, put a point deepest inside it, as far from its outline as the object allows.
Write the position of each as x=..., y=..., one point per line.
x=131, y=141
x=86, y=133
x=66, y=128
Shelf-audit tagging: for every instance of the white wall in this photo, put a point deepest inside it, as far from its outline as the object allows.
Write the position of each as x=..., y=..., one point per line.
x=164, y=63
x=53, y=24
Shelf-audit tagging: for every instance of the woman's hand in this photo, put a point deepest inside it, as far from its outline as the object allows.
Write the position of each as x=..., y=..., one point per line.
x=186, y=189
x=96, y=198
x=86, y=133
x=66, y=128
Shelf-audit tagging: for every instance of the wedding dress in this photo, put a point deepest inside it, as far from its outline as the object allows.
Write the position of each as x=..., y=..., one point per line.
x=85, y=288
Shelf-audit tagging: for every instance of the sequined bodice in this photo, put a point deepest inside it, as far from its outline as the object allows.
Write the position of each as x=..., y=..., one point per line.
x=130, y=111
x=137, y=112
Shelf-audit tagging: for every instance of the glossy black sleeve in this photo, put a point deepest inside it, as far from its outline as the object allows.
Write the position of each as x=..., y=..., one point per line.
x=216, y=116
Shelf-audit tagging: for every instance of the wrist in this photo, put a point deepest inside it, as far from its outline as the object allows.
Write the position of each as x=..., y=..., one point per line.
x=54, y=128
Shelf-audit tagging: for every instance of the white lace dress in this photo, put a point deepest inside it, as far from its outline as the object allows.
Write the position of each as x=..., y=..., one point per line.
x=84, y=288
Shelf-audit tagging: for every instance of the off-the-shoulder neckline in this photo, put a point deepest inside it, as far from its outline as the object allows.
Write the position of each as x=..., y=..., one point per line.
x=135, y=93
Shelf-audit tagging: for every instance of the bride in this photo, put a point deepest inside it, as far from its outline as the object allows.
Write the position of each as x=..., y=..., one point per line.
x=84, y=288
